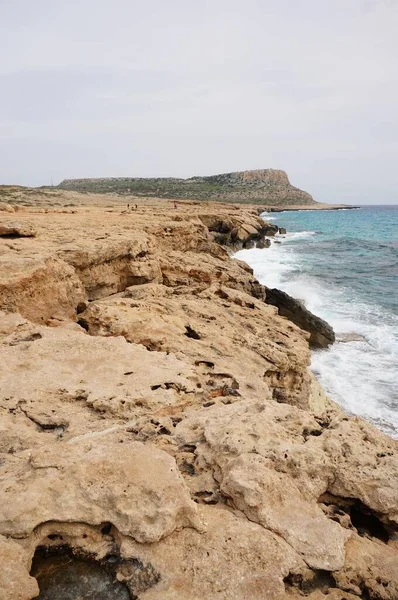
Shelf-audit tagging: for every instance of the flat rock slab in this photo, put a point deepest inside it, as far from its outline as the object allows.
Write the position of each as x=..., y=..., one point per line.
x=107, y=483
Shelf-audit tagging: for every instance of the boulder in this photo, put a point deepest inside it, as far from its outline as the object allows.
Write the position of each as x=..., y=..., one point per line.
x=17, y=229
x=321, y=333
x=270, y=230
x=263, y=243
x=96, y=484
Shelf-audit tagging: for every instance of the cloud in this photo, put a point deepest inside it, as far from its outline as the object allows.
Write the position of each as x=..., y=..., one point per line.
x=94, y=88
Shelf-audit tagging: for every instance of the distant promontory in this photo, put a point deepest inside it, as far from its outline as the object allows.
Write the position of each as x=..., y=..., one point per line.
x=271, y=186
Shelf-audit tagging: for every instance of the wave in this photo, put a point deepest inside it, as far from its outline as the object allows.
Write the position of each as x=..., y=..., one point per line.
x=360, y=373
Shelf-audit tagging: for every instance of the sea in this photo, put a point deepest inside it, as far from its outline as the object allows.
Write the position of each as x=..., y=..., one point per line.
x=343, y=264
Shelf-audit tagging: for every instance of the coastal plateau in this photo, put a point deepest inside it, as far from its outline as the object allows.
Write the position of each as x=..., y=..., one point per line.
x=271, y=186
x=162, y=437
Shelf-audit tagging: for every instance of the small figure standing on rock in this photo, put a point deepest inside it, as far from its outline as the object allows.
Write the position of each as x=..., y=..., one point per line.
x=128, y=206
x=175, y=203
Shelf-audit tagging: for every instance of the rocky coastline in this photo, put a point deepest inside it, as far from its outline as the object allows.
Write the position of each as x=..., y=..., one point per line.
x=162, y=437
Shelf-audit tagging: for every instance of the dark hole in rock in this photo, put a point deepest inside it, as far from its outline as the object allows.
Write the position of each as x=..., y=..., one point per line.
x=151, y=346
x=206, y=497
x=136, y=280
x=365, y=521
x=164, y=431
x=311, y=432
x=188, y=468
x=60, y=427
x=279, y=394
x=63, y=576
x=81, y=307
x=316, y=580
x=106, y=528
x=221, y=294
x=10, y=236
x=206, y=363
x=191, y=333
x=66, y=574
x=83, y=323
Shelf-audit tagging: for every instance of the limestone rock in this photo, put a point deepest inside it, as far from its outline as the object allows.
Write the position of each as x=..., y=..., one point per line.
x=70, y=380
x=15, y=582
x=184, y=325
x=158, y=421
x=233, y=559
x=322, y=334
x=40, y=288
x=95, y=485
x=17, y=229
x=370, y=569
x=273, y=500
x=178, y=269
x=6, y=207
x=238, y=231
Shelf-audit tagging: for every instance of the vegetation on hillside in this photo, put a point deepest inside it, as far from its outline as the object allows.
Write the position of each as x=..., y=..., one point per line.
x=270, y=186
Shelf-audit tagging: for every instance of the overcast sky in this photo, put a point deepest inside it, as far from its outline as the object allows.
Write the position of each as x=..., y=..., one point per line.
x=98, y=88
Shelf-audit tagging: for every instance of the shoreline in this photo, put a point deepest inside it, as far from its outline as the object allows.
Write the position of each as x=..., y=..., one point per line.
x=297, y=267
x=309, y=207
x=156, y=410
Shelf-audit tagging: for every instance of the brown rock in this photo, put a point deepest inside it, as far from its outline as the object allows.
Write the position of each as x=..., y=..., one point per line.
x=233, y=559
x=6, y=207
x=40, y=288
x=15, y=582
x=95, y=485
x=269, y=360
x=17, y=229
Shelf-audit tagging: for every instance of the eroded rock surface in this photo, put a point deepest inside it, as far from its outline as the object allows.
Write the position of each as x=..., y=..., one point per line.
x=16, y=229
x=160, y=434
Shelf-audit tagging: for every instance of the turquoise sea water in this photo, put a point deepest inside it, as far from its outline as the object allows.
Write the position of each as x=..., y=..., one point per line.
x=344, y=266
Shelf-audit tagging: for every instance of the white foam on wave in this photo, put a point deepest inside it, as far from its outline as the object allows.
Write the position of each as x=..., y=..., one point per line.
x=296, y=235
x=360, y=375
x=267, y=217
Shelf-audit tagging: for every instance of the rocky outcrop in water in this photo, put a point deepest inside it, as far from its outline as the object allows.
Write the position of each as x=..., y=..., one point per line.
x=161, y=436
x=321, y=333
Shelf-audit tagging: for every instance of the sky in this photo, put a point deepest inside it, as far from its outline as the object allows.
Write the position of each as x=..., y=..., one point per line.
x=109, y=88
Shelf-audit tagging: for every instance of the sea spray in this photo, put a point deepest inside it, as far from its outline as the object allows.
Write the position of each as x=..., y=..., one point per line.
x=344, y=266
